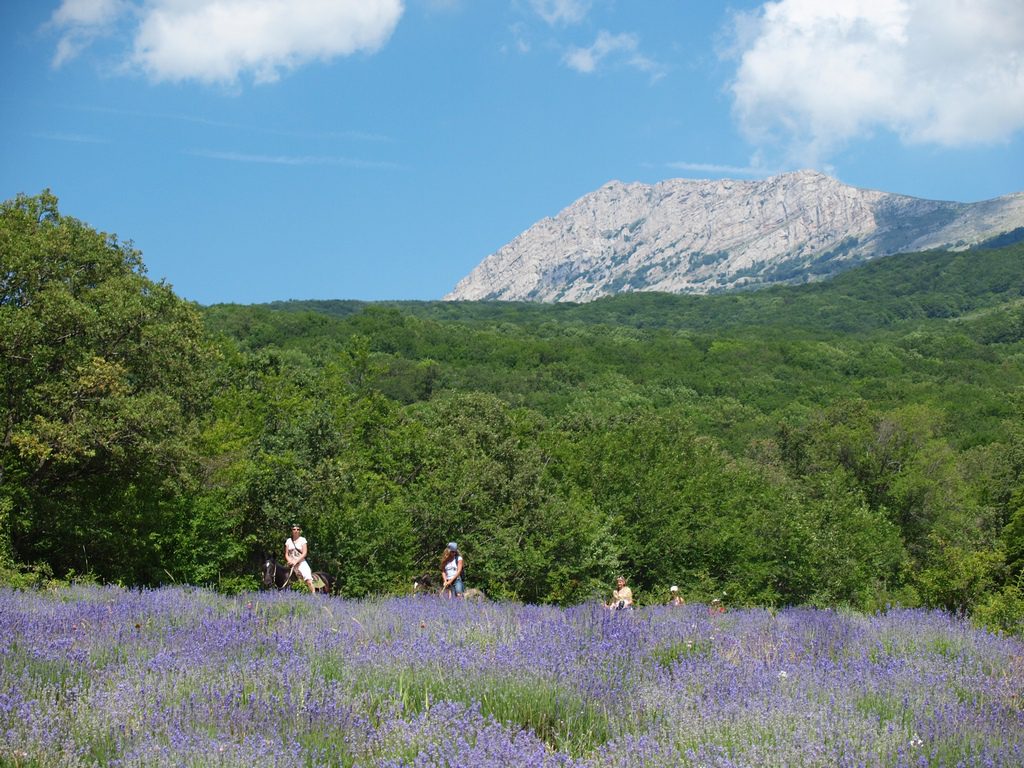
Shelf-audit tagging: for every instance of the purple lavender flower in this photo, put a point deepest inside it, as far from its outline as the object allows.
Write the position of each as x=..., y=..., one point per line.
x=183, y=677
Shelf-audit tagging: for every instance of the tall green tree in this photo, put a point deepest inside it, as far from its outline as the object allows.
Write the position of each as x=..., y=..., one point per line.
x=487, y=479
x=102, y=375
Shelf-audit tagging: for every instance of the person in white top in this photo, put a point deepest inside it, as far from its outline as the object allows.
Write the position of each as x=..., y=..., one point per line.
x=451, y=571
x=622, y=596
x=295, y=550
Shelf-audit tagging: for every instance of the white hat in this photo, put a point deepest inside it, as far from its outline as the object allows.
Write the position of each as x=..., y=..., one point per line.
x=673, y=588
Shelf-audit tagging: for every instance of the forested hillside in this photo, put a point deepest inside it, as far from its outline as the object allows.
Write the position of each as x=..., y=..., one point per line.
x=856, y=442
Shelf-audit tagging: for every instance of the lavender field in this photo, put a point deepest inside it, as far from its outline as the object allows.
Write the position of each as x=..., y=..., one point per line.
x=95, y=676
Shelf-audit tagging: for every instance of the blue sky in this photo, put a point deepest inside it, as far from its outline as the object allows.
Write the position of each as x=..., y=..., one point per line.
x=257, y=150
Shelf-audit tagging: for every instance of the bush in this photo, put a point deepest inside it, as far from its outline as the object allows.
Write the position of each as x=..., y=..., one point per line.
x=1003, y=611
x=19, y=576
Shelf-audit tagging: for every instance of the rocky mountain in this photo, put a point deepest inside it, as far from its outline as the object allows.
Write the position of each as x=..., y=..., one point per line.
x=685, y=236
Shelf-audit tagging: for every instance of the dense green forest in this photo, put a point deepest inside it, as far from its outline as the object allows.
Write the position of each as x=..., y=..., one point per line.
x=857, y=442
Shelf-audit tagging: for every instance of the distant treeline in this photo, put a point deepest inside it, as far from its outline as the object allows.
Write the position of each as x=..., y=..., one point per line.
x=852, y=442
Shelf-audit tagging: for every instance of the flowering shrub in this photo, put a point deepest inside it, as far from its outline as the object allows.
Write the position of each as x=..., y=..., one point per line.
x=93, y=676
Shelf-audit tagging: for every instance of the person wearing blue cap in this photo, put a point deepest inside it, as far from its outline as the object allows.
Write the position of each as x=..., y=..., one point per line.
x=451, y=570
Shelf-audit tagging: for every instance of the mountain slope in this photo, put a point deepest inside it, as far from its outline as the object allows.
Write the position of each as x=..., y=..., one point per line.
x=682, y=236
x=899, y=290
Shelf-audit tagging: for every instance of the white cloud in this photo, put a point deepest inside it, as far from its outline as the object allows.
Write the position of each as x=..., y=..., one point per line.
x=81, y=22
x=520, y=39
x=732, y=170
x=88, y=12
x=293, y=160
x=561, y=11
x=219, y=41
x=71, y=138
x=815, y=75
x=622, y=46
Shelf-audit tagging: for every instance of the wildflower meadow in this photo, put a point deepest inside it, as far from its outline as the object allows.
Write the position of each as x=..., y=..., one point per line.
x=103, y=676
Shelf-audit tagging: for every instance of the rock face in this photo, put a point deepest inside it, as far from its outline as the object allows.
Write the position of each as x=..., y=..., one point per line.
x=682, y=236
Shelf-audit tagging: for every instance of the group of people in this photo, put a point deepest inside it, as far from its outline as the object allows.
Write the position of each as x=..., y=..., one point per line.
x=622, y=598
x=296, y=549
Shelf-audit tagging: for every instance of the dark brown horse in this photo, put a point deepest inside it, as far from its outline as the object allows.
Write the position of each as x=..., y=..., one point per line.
x=282, y=577
x=427, y=583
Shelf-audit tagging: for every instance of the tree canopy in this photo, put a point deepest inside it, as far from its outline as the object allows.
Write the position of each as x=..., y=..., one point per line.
x=103, y=377
x=851, y=442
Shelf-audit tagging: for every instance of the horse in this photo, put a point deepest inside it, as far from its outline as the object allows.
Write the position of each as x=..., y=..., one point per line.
x=430, y=583
x=426, y=583
x=281, y=576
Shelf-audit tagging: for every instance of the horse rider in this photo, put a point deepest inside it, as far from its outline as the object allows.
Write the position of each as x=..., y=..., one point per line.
x=295, y=550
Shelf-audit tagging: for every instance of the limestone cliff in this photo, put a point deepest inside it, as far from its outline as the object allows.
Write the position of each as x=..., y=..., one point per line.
x=684, y=236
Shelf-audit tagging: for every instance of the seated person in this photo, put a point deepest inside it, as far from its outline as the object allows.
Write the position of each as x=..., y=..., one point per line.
x=622, y=596
x=674, y=596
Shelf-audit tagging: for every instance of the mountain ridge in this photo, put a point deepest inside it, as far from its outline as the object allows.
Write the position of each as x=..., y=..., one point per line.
x=709, y=236
x=895, y=291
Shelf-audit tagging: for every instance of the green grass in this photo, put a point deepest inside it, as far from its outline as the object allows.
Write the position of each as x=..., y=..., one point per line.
x=667, y=654
x=560, y=717
x=887, y=708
